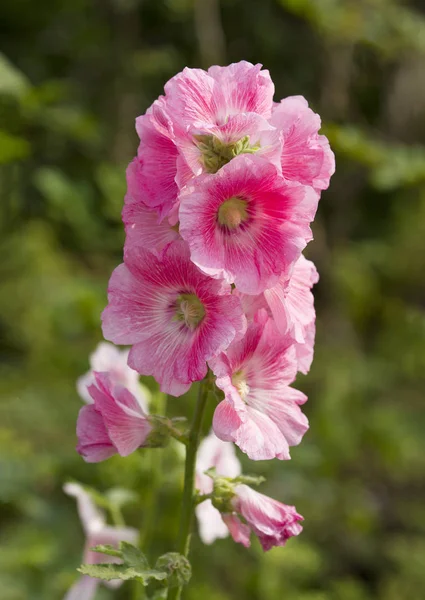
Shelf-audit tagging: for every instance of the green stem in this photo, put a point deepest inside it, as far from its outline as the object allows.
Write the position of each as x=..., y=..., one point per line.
x=188, y=501
x=116, y=515
x=159, y=405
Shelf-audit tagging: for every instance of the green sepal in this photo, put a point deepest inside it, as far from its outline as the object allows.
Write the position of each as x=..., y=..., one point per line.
x=249, y=479
x=216, y=154
x=177, y=566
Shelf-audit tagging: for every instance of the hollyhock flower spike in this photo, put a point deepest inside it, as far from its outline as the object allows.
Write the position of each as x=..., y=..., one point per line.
x=108, y=358
x=220, y=455
x=271, y=521
x=306, y=156
x=175, y=317
x=246, y=224
x=219, y=202
x=97, y=533
x=260, y=413
x=114, y=423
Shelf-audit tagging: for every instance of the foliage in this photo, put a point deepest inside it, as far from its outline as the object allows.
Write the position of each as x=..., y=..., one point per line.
x=73, y=76
x=172, y=569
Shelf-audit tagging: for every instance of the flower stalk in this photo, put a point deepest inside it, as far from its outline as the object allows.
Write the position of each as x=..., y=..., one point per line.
x=188, y=500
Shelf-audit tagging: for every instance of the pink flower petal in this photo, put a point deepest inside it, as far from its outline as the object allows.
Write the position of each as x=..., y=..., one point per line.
x=273, y=522
x=94, y=443
x=240, y=532
x=151, y=176
x=270, y=230
x=125, y=421
x=306, y=157
x=144, y=295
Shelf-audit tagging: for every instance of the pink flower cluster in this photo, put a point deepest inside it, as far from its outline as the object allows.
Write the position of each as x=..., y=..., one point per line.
x=219, y=202
x=218, y=209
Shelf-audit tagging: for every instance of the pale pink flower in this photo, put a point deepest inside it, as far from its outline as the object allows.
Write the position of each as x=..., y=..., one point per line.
x=306, y=156
x=154, y=169
x=114, y=423
x=175, y=317
x=221, y=455
x=246, y=224
x=260, y=412
x=271, y=521
x=143, y=225
x=211, y=98
x=97, y=533
x=108, y=357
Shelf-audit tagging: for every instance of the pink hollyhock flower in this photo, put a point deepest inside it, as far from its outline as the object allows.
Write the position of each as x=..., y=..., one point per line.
x=154, y=169
x=143, y=226
x=107, y=357
x=197, y=97
x=221, y=455
x=219, y=114
x=114, y=423
x=271, y=521
x=97, y=533
x=290, y=302
x=246, y=224
x=260, y=412
x=175, y=317
x=306, y=156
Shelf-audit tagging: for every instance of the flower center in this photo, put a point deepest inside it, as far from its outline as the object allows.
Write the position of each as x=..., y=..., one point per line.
x=215, y=153
x=241, y=384
x=232, y=212
x=190, y=310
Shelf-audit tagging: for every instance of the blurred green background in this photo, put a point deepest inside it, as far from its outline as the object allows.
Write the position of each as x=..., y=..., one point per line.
x=74, y=74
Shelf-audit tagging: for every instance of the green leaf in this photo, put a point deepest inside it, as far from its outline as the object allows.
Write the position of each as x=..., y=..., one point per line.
x=109, y=550
x=133, y=556
x=107, y=572
x=135, y=565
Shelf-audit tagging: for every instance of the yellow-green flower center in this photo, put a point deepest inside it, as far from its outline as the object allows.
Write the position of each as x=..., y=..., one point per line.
x=190, y=310
x=232, y=212
x=215, y=153
x=240, y=383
